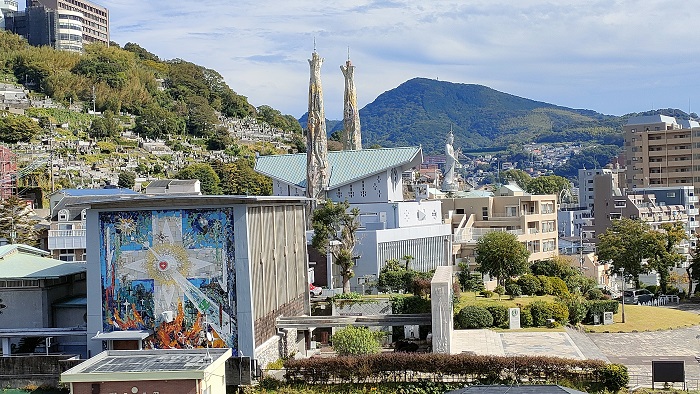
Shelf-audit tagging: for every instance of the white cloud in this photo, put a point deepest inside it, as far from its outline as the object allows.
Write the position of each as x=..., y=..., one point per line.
x=612, y=56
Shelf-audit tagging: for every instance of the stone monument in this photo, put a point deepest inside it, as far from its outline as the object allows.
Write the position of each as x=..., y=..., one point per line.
x=352, y=139
x=449, y=183
x=316, y=142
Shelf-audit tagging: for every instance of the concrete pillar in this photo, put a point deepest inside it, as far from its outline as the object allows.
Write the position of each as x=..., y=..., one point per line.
x=441, y=308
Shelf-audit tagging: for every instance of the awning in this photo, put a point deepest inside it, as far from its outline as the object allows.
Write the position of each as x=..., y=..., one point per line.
x=128, y=335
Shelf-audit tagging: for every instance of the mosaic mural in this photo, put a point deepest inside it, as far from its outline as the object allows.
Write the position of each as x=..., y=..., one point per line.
x=170, y=271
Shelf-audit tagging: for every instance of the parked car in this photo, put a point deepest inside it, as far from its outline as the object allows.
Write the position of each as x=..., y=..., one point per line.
x=315, y=290
x=638, y=296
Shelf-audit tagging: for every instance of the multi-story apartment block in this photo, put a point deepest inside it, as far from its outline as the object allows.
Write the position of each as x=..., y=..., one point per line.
x=586, y=187
x=612, y=202
x=95, y=18
x=532, y=218
x=662, y=151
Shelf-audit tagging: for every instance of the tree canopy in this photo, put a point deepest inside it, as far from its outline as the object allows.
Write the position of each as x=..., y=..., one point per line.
x=335, y=226
x=16, y=224
x=501, y=255
x=209, y=180
x=626, y=244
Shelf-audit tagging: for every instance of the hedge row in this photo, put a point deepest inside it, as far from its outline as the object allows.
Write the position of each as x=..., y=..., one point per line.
x=398, y=366
x=572, y=310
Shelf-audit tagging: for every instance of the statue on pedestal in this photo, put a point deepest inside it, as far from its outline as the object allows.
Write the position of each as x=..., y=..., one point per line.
x=449, y=183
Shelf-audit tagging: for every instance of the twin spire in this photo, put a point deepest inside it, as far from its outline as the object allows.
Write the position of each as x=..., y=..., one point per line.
x=316, y=141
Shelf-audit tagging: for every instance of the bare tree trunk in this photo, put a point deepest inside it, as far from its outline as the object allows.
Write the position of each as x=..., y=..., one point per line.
x=690, y=282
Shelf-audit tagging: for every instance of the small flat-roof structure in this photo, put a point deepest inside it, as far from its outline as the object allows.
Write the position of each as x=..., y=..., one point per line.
x=165, y=371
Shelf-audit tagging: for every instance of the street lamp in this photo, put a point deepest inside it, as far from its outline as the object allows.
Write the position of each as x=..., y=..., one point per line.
x=622, y=272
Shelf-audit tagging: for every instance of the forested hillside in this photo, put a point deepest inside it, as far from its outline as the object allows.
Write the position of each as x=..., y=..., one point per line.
x=167, y=96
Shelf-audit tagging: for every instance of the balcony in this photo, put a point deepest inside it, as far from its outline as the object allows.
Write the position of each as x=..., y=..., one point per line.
x=67, y=239
x=693, y=212
x=692, y=199
x=474, y=234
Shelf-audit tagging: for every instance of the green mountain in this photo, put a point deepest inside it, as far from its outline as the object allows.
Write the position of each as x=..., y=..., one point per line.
x=422, y=111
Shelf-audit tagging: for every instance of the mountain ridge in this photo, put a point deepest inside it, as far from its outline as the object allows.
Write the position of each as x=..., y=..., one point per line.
x=422, y=111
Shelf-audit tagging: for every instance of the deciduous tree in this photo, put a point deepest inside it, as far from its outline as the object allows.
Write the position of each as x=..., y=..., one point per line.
x=16, y=224
x=626, y=243
x=209, y=180
x=335, y=226
x=500, y=254
x=665, y=256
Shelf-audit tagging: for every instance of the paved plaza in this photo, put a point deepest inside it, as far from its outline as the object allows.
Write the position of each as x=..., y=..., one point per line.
x=635, y=350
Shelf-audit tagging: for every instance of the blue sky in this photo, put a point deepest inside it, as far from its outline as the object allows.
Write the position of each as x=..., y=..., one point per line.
x=611, y=56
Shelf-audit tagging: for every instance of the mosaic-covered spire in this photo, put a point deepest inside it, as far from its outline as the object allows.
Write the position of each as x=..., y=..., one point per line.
x=316, y=142
x=352, y=139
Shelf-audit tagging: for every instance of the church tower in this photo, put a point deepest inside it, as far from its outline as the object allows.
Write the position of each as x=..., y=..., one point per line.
x=316, y=142
x=352, y=139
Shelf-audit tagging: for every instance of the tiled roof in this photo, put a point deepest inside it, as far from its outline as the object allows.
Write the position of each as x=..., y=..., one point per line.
x=26, y=262
x=345, y=166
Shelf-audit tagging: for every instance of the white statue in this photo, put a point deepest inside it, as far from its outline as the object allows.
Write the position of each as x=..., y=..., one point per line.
x=448, y=181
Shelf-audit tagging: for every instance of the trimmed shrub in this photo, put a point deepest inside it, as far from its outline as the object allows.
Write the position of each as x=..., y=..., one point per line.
x=513, y=290
x=579, y=284
x=614, y=377
x=486, y=293
x=559, y=288
x=353, y=341
x=525, y=317
x=595, y=294
x=529, y=284
x=473, y=316
x=500, y=290
x=392, y=367
x=499, y=314
x=545, y=285
x=577, y=307
x=543, y=310
x=409, y=305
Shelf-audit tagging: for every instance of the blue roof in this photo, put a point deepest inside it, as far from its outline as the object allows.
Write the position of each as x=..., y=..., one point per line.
x=96, y=192
x=344, y=166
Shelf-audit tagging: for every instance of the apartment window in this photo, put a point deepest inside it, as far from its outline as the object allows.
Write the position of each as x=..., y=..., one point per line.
x=83, y=214
x=65, y=226
x=484, y=213
x=512, y=211
x=66, y=255
x=590, y=181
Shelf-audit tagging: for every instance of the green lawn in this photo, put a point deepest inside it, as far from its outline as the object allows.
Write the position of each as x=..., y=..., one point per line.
x=471, y=298
x=637, y=318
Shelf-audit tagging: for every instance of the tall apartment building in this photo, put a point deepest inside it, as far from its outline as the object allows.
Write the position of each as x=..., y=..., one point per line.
x=95, y=18
x=662, y=151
